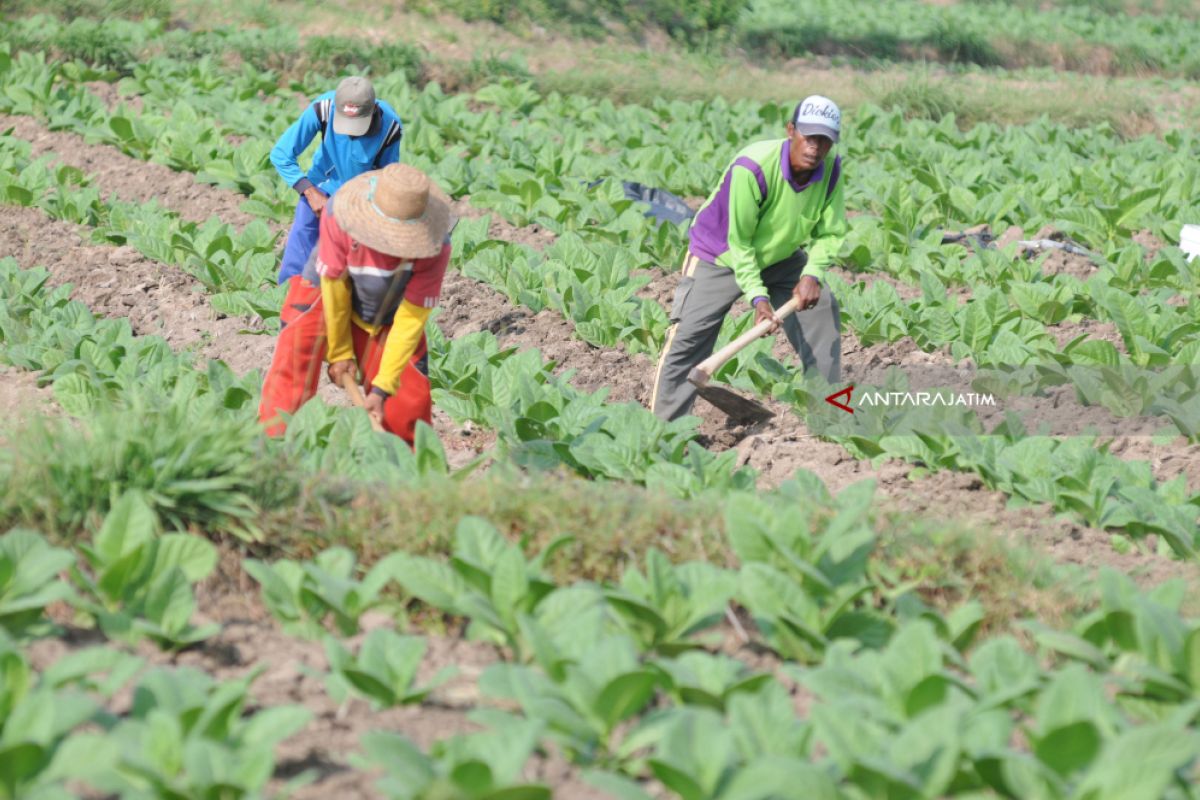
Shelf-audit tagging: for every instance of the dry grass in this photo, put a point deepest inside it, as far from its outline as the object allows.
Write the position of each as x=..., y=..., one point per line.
x=952, y=565
x=614, y=525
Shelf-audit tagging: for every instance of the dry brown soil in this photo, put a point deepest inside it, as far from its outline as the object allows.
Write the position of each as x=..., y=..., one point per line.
x=127, y=178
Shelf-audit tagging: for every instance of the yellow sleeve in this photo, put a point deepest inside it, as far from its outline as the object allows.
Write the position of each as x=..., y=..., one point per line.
x=335, y=297
x=402, y=342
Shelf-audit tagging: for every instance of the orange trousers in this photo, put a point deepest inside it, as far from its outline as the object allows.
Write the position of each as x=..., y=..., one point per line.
x=300, y=355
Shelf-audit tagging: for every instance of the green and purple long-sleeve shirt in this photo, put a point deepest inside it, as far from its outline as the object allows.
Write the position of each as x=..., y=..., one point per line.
x=760, y=214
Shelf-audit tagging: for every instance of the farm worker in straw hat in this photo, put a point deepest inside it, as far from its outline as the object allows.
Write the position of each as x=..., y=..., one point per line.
x=382, y=255
x=776, y=198
x=359, y=132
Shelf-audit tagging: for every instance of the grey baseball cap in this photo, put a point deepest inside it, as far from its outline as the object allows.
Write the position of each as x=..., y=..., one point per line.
x=353, y=106
x=817, y=116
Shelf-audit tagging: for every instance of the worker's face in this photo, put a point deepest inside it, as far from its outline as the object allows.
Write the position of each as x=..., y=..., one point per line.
x=807, y=152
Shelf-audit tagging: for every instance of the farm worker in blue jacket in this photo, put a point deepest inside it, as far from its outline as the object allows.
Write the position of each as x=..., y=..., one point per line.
x=358, y=133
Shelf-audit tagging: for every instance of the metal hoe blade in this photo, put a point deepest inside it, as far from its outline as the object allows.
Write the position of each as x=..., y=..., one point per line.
x=740, y=409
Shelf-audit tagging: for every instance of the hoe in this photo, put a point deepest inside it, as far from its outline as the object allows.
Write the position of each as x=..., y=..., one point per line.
x=740, y=409
x=356, y=397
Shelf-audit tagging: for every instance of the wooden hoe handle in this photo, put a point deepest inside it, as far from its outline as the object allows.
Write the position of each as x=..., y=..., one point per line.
x=356, y=397
x=703, y=372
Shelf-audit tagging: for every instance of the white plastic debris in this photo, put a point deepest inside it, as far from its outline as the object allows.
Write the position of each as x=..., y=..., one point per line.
x=1189, y=241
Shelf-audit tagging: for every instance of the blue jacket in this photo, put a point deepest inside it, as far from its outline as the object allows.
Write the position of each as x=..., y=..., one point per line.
x=338, y=158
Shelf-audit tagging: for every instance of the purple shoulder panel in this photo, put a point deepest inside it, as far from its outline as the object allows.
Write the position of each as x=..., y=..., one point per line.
x=754, y=167
x=833, y=177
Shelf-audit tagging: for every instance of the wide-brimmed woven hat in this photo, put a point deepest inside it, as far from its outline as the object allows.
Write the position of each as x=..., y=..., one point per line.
x=396, y=210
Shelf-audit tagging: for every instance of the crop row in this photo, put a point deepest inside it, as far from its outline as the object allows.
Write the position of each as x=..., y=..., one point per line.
x=592, y=286
x=1049, y=166
x=622, y=678
x=1069, y=474
x=542, y=417
x=1007, y=329
x=989, y=329
x=901, y=235
x=539, y=418
x=1093, y=37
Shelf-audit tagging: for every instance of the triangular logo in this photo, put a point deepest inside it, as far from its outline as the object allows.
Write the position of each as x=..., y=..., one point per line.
x=833, y=399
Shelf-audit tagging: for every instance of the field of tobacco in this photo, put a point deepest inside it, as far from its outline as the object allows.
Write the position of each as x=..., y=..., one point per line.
x=553, y=593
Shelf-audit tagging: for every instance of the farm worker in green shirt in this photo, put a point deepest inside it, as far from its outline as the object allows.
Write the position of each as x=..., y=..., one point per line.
x=767, y=233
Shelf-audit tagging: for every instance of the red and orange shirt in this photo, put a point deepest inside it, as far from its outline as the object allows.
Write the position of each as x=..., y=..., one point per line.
x=373, y=290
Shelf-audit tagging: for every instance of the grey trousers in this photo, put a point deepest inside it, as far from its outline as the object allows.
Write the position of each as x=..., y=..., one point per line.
x=702, y=301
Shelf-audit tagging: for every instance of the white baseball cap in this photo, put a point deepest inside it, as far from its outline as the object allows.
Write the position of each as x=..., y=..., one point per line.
x=353, y=106
x=816, y=115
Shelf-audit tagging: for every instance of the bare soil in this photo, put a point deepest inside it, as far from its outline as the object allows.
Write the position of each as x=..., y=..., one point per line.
x=129, y=179
x=19, y=392
x=119, y=282
x=20, y=396
x=111, y=97
x=1064, y=332
x=1060, y=262
x=1168, y=461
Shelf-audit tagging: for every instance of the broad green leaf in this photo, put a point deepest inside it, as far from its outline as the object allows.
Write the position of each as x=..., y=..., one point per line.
x=272, y=725
x=130, y=524
x=1139, y=763
x=1069, y=698
x=677, y=780
x=431, y=581
x=781, y=778
x=624, y=696
x=169, y=602
x=1069, y=748
x=509, y=583
x=195, y=556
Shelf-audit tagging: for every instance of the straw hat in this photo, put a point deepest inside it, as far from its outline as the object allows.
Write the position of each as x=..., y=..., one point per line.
x=396, y=210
